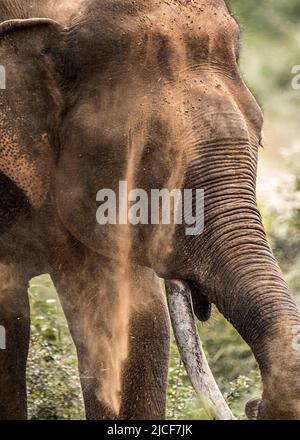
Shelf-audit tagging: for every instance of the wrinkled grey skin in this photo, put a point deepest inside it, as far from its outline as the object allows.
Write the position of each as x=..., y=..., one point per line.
x=34, y=241
x=149, y=92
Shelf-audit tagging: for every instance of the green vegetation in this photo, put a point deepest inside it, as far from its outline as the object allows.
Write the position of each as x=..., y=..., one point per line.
x=271, y=46
x=54, y=390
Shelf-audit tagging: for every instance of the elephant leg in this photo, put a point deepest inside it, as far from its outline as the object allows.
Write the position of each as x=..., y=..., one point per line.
x=122, y=348
x=14, y=341
x=146, y=371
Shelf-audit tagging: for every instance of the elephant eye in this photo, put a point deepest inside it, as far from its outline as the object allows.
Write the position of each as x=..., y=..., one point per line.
x=237, y=51
x=261, y=140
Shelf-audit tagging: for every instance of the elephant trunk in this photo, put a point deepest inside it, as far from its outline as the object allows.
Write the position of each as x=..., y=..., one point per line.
x=247, y=286
x=263, y=311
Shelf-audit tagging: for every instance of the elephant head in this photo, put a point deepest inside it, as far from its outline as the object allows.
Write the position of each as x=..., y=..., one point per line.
x=150, y=93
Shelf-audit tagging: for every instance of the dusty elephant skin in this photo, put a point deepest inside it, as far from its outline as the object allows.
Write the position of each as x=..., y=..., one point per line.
x=147, y=92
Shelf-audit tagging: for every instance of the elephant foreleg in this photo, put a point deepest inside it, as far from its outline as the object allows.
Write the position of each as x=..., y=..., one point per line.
x=14, y=343
x=145, y=373
x=121, y=333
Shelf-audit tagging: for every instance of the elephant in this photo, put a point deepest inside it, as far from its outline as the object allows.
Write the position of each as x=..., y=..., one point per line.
x=146, y=92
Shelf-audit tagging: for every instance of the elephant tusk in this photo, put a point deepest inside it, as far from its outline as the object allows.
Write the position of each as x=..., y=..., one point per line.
x=190, y=347
x=10, y=25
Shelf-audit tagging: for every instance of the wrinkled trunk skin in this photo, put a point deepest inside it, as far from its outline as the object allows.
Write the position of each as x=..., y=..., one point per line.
x=233, y=265
x=240, y=275
x=248, y=289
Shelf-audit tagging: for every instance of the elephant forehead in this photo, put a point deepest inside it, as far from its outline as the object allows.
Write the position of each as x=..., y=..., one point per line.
x=122, y=112
x=107, y=145
x=158, y=36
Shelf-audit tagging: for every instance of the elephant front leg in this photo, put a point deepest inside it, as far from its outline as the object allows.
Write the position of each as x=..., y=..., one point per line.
x=14, y=343
x=146, y=370
x=121, y=332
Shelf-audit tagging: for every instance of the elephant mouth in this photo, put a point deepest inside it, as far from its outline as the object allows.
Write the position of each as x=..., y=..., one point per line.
x=180, y=302
x=201, y=304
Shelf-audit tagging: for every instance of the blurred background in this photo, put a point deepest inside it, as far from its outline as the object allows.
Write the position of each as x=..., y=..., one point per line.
x=270, y=50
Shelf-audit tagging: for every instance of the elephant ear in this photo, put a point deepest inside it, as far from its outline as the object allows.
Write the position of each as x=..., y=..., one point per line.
x=30, y=102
